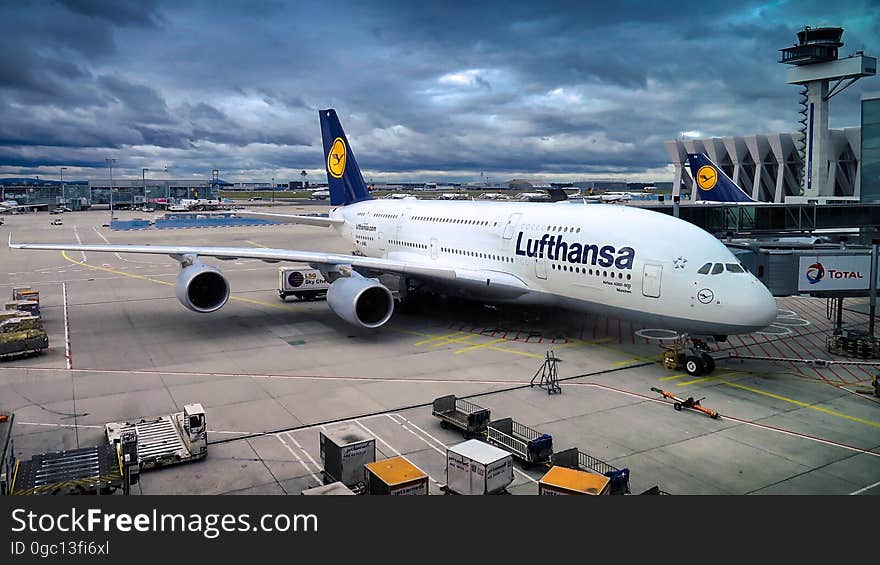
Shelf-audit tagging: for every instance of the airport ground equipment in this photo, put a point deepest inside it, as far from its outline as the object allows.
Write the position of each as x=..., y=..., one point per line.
x=573, y=458
x=7, y=459
x=474, y=467
x=28, y=294
x=564, y=480
x=526, y=444
x=304, y=283
x=396, y=476
x=345, y=449
x=461, y=414
x=21, y=334
x=689, y=402
x=547, y=375
x=853, y=344
x=690, y=355
x=332, y=489
x=87, y=470
x=165, y=440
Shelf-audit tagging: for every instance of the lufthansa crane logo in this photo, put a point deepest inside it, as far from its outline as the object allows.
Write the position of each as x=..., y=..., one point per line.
x=707, y=177
x=336, y=158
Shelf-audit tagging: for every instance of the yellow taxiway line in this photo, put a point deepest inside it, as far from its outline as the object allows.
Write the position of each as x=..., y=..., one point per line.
x=805, y=405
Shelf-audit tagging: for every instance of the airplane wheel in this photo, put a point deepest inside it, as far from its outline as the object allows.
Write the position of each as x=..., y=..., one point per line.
x=709, y=362
x=694, y=366
x=677, y=406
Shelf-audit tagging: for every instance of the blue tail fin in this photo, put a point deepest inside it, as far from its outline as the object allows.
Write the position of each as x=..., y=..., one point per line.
x=712, y=183
x=343, y=174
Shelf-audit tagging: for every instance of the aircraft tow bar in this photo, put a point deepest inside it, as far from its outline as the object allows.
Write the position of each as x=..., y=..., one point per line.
x=680, y=403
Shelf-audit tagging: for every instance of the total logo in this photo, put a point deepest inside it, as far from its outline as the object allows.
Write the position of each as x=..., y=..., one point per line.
x=816, y=272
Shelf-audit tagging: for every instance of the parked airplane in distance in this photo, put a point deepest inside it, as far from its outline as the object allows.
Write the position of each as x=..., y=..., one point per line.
x=618, y=261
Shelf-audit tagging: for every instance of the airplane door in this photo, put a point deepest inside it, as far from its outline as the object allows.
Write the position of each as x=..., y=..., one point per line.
x=433, y=248
x=511, y=225
x=381, y=241
x=540, y=268
x=651, y=280
x=404, y=216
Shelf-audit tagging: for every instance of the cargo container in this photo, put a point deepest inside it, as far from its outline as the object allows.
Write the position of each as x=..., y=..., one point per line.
x=528, y=445
x=459, y=413
x=30, y=306
x=345, y=449
x=475, y=467
x=332, y=489
x=562, y=480
x=395, y=476
x=304, y=283
x=26, y=293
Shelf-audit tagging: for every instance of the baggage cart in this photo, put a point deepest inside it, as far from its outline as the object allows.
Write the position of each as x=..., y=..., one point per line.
x=461, y=414
x=576, y=459
x=526, y=444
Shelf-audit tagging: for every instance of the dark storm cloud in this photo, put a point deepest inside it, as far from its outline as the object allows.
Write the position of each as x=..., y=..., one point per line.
x=118, y=12
x=496, y=87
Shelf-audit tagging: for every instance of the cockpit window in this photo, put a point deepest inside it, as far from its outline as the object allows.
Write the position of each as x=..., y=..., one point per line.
x=704, y=270
x=717, y=269
x=734, y=268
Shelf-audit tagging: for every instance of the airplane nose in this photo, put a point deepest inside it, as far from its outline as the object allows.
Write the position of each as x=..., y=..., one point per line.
x=763, y=309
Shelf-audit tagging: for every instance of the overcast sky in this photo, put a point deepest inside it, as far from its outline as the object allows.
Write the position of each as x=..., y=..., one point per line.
x=425, y=90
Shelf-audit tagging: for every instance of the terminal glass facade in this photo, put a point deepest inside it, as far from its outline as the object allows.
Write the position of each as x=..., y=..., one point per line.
x=870, y=179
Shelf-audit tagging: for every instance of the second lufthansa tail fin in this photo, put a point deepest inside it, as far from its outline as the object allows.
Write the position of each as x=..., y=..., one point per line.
x=712, y=183
x=344, y=177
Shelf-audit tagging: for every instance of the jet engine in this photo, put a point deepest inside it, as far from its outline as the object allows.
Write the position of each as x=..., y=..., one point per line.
x=362, y=302
x=201, y=288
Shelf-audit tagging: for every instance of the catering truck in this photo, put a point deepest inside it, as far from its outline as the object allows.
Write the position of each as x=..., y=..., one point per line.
x=304, y=283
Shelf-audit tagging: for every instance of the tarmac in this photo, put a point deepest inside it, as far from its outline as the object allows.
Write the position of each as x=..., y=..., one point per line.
x=272, y=374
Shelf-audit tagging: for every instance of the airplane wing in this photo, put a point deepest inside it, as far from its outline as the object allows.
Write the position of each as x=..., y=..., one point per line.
x=493, y=282
x=322, y=221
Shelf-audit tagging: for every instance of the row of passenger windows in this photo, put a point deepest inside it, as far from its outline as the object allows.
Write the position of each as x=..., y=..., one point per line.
x=477, y=254
x=389, y=216
x=585, y=271
x=718, y=268
x=409, y=244
x=453, y=221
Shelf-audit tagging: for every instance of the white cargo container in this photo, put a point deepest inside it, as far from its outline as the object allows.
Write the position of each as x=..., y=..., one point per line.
x=345, y=449
x=475, y=467
x=304, y=283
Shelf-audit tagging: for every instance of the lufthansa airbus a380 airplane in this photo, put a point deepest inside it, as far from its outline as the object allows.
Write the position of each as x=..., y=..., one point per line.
x=617, y=261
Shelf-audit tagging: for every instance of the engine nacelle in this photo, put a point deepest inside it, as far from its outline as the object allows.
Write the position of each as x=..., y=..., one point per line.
x=202, y=288
x=362, y=302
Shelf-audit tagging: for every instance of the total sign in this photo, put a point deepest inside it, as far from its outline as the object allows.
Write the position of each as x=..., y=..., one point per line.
x=834, y=272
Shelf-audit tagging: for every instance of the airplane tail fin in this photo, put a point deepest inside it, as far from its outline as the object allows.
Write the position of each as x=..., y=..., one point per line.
x=344, y=177
x=712, y=183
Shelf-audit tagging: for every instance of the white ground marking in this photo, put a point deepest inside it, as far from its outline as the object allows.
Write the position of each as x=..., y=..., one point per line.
x=67, y=354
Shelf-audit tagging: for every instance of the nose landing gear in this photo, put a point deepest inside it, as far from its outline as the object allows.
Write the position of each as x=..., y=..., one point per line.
x=691, y=355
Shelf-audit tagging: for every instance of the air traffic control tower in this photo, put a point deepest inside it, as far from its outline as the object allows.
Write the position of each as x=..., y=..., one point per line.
x=814, y=66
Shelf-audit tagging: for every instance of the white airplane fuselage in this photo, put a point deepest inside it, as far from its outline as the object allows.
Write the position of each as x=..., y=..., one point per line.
x=617, y=261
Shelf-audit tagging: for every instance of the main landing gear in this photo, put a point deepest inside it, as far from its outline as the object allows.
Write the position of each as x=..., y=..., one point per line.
x=691, y=355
